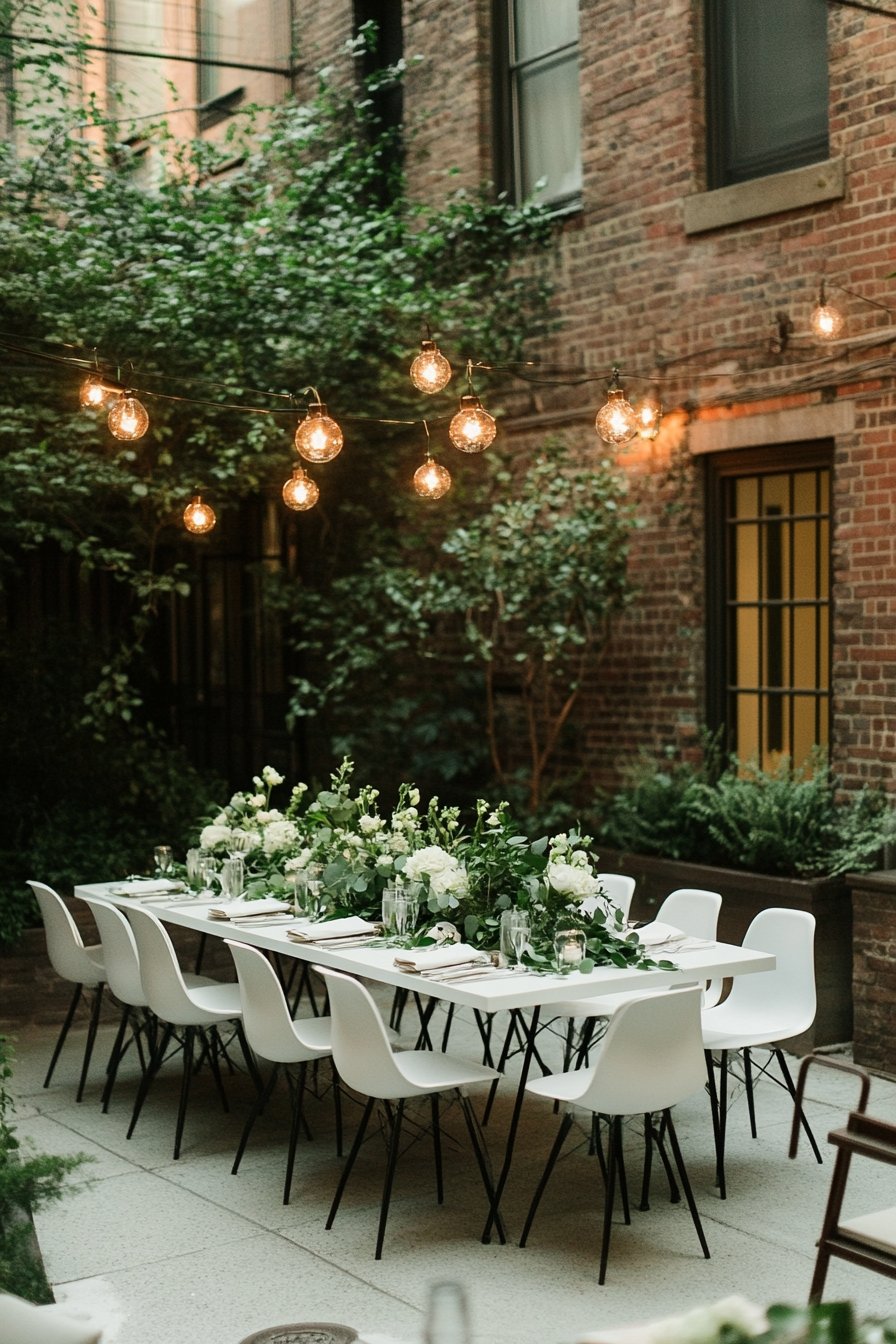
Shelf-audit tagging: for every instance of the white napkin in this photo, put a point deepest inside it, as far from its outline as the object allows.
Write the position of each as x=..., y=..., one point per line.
x=268, y=905
x=657, y=937
x=437, y=958
x=350, y=927
x=146, y=886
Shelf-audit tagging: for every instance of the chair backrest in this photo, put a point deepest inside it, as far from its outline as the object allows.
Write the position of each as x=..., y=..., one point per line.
x=784, y=997
x=618, y=889
x=267, y=1021
x=65, y=946
x=362, y=1053
x=693, y=910
x=651, y=1056
x=163, y=981
x=119, y=952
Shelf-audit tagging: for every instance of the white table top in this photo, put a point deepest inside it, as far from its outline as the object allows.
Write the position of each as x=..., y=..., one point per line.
x=489, y=996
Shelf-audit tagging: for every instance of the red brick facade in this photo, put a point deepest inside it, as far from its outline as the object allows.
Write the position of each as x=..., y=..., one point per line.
x=634, y=285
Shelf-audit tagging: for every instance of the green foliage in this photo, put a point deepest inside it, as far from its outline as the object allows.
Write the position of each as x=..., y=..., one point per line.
x=786, y=821
x=28, y=1181
x=521, y=591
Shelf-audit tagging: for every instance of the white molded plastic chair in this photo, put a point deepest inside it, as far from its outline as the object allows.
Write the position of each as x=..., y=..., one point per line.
x=692, y=910
x=196, y=1012
x=650, y=1059
x=23, y=1322
x=82, y=966
x=123, y=977
x=619, y=890
x=365, y=1062
x=760, y=1011
x=274, y=1035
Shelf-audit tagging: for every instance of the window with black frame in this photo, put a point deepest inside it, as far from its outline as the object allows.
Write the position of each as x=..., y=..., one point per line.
x=766, y=87
x=769, y=601
x=537, y=103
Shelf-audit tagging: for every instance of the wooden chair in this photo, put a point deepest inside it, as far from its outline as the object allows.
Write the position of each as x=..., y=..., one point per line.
x=868, y=1240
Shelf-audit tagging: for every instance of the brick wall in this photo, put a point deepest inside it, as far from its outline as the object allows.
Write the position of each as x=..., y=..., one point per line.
x=874, y=971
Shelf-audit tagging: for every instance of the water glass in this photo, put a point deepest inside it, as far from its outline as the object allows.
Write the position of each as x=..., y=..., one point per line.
x=514, y=933
x=233, y=878
x=447, y=1319
x=164, y=857
x=307, y=901
x=388, y=911
x=194, y=866
x=406, y=907
x=569, y=949
x=208, y=871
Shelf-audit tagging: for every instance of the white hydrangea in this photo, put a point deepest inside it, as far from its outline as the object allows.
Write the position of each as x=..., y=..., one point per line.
x=214, y=835
x=272, y=814
x=370, y=825
x=279, y=834
x=271, y=776
x=445, y=874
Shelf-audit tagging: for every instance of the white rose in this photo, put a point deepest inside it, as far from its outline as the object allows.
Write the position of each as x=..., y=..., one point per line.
x=569, y=879
x=369, y=825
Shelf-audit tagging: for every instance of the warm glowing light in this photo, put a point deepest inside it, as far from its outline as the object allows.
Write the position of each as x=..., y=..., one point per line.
x=430, y=371
x=472, y=429
x=199, y=517
x=97, y=392
x=300, y=492
x=616, y=421
x=826, y=321
x=128, y=418
x=318, y=438
x=649, y=413
x=432, y=480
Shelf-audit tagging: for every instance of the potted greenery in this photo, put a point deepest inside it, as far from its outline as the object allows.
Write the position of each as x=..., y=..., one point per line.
x=783, y=836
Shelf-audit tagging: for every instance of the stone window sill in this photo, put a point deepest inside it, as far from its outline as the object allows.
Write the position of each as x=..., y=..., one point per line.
x=811, y=185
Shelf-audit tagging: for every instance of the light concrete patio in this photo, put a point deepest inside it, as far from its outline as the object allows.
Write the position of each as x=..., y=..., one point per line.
x=185, y=1253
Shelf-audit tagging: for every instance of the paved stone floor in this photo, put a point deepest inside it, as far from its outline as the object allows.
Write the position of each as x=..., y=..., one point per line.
x=183, y=1252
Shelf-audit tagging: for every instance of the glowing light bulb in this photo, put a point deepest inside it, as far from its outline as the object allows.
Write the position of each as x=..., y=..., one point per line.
x=472, y=429
x=649, y=413
x=318, y=438
x=128, y=418
x=826, y=321
x=96, y=392
x=199, y=517
x=432, y=480
x=616, y=421
x=300, y=492
x=430, y=371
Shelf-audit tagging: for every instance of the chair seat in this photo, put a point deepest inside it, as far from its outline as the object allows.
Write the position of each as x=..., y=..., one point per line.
x=559, y=1086
x=877, y=1229
x=744, y=1033
x=428, y=1071
x=216, y=1002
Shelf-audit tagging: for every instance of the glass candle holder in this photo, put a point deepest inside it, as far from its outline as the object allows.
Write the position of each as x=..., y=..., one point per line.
x=569, y=948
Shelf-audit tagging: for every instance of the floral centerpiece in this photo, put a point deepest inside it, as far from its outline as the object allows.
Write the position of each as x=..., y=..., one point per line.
x=466, y=876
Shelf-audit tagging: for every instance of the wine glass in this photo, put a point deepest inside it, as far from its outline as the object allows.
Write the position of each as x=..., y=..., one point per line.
x=163, y=855
x=208, y=871
x=518, y=933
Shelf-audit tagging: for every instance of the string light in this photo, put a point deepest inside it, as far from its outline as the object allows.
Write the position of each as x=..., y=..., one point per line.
x=825, y=320
x=199, y=518
x=649, y=412
x=472, y=429
x=128, y=418
x=318, y=437
x=616, y=421
x=96, y=391
x=431, y=479
x=300, y=492
x=430, y=371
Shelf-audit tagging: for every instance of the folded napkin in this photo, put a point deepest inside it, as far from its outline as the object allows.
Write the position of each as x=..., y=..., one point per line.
x=350, y=927
x=268, y=905
x=658, y=934
x=440, y=958
x=146, y=886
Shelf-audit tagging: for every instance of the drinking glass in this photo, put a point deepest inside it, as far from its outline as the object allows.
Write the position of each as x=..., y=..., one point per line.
x=388, y=911
x=569, y=948
x=515, y=933
x=447, y=1318
x=164, y=857
x=406, y=906
x=208, y=871
x=233, y=875
x=194, y=862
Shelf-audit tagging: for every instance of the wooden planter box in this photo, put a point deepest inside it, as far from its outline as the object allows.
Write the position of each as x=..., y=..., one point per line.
x=743, y=896
x=874, y=970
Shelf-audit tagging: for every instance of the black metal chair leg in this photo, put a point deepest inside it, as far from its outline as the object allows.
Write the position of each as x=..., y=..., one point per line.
x=337, y=1110
x=350, y=1162
x=616, y=1132
x=60, y=1040
x=674, y=1192
x=115, y=1057
x=258, y=1106
x=297, y=1102
x=685, y=1183
x=155, y=1064
x=788, y=1080
x=189, y=1036
x=565, y=1125
x=391, y=1163
x=717, y=1125
x=609, y=1197
x=748, y=1082
x=213, y=1046
x=91, y=1037
x=648, y=1155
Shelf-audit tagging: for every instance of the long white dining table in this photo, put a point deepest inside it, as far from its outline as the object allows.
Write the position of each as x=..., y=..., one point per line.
x=484, y=996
